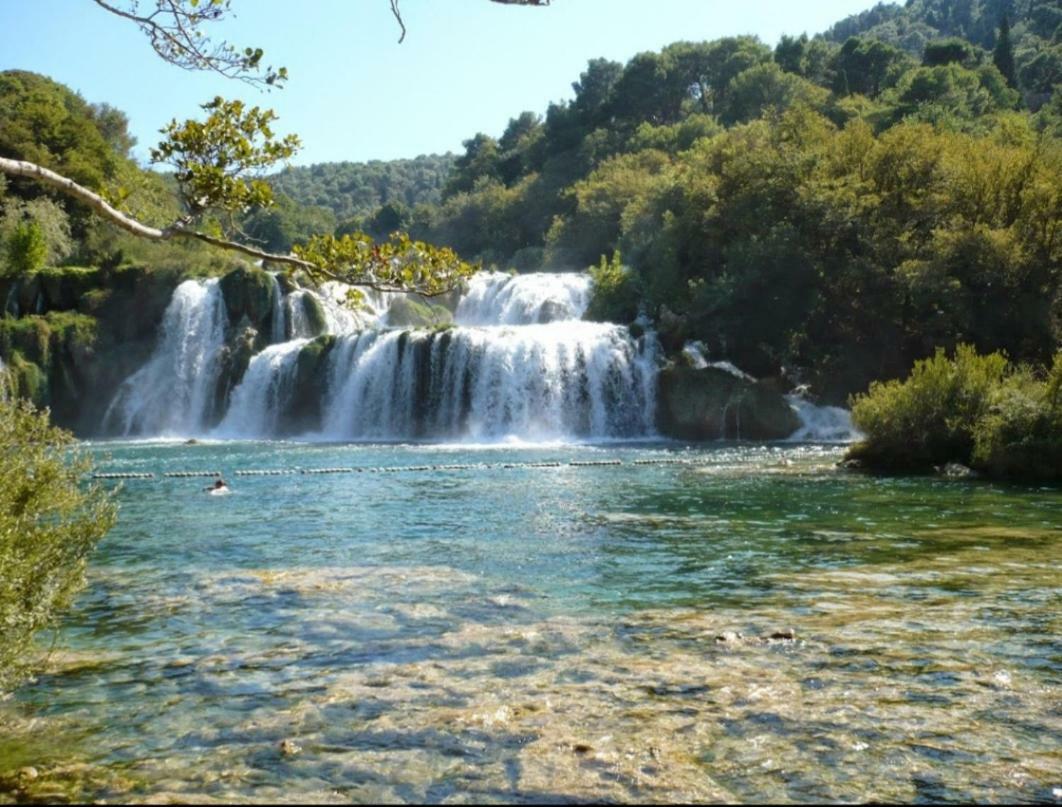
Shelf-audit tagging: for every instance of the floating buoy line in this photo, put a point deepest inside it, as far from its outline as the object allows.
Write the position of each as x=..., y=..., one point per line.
x=483, y=466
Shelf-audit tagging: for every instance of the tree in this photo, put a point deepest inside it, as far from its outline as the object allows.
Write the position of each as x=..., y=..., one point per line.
x=789, y=53
x=764, y=87
x=867, y=66
x=175, y=29
x=946, y=51
x=50, y=242
x=478, y=163
x=1003, y=53
x=49, y=524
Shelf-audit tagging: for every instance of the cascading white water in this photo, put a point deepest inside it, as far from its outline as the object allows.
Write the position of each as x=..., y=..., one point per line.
x=579, y=380
x=520, y=363
x=258, y=402
x=298, y=322
x=279, y=320
x=173, y=394
x=495, y=298
x=822, y=424
x=531, y=369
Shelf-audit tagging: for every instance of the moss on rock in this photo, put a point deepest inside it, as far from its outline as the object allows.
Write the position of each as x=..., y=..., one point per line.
x=27, y=380
x=406, y=312
x=311, y=381
x=316, y=320
x=250, y=292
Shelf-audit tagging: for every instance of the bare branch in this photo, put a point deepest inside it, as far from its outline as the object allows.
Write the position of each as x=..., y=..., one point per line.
x=398, y=14
x=174, y=29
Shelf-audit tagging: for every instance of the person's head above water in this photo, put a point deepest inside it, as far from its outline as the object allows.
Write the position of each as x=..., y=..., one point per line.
x=219, y=483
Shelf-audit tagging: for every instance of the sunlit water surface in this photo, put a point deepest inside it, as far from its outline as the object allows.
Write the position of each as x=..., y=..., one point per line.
x=551, y=634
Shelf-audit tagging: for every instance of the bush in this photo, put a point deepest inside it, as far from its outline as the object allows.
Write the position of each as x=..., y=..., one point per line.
x=49, y=523
x=615, y=292
x=26, y=248
x=929, y=418
x=1021, y=435
x=971, y=409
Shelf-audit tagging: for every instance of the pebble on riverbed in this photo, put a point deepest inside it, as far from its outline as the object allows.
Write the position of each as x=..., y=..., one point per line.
x=734, y=637
x=27, y=775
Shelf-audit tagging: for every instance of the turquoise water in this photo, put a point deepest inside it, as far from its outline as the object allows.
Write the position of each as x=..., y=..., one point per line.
x=564, y=633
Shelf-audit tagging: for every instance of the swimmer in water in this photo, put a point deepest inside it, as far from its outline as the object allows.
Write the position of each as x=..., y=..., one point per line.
x=219, y=487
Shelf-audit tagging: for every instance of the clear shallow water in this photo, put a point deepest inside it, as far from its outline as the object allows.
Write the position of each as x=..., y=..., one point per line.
x=536, y=634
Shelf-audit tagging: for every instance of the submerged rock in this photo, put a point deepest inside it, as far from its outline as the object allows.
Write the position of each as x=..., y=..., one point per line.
x=735, y=637
x=28, y=774
x=712, y=403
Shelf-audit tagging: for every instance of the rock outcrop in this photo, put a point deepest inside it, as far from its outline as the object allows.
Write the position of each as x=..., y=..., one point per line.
x=70, y=336
x=713, y=403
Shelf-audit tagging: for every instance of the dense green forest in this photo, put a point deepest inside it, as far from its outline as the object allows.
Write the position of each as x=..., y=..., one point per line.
x=829, y=210
x=1033, y=33
x=357, y=190
x=832, y=211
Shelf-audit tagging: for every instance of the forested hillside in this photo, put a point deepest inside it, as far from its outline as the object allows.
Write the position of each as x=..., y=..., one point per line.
x=828, y=211
x=1035, y=33
x=44, y=122
x=351, y=189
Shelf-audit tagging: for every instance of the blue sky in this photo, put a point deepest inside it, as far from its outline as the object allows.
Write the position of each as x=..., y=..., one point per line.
x=354, y=93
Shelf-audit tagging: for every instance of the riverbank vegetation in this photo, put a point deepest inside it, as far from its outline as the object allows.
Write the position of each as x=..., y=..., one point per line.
x=981, y=411
x=50, y=521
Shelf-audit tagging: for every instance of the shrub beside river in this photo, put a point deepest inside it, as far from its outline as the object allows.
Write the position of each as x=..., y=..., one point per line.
x=1000, y=419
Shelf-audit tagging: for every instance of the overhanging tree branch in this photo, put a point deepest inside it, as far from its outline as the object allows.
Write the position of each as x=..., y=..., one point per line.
x=174, y=29
x=373, y=267
x=398, y=13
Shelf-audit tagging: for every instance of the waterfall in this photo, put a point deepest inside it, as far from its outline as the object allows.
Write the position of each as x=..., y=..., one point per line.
x=260, y=399
x=579, y=380
x=173, y=394
x=279, y=324
x=822, y=424
x=298, y=323
x=520, y=363
x=494, y=298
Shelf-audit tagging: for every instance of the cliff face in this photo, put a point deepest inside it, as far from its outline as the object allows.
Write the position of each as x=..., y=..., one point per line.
x=70, y=336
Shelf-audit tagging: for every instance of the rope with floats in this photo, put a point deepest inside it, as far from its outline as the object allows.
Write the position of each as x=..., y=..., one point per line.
x=484, y=466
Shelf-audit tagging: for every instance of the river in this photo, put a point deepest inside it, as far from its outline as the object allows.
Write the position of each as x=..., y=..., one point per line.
x=494, y=623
